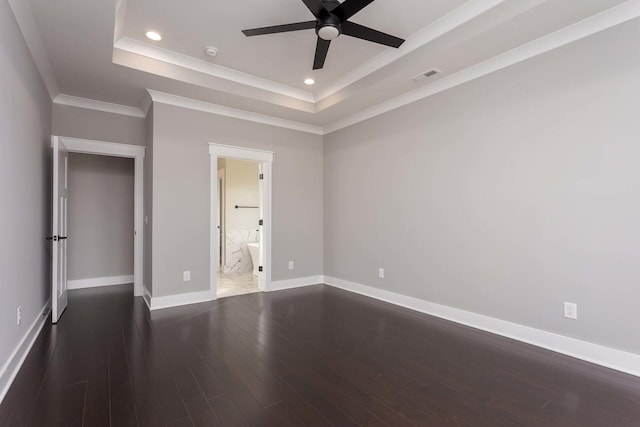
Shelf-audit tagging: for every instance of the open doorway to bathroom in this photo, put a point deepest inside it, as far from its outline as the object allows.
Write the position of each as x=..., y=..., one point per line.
x=238, y=227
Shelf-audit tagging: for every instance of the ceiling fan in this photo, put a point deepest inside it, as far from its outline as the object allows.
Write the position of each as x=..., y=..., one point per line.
x=331, y=21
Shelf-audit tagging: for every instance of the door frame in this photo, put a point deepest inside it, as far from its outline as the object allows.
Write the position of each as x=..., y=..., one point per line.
x=265, y=158
x=136, y=152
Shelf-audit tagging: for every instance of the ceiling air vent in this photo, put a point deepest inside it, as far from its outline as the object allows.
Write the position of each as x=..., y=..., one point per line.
x=429, y=73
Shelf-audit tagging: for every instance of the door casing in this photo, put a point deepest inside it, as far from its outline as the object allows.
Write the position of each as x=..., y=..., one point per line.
x=265, y=159
x=136, y=152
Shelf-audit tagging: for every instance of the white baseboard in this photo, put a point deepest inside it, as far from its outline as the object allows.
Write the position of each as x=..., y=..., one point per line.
x=280, y=285
x=594, y=353
x=157, y=303
x=19, y=354
x=95, y=282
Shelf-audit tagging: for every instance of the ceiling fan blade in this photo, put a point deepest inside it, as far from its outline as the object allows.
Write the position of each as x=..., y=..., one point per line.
x=349, y=8
x=280, y=28
x=316, y=7
x=366, y=33
x=322, y=48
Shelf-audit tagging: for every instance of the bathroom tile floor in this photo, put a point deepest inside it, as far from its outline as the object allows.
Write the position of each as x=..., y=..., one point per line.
x=230, y=284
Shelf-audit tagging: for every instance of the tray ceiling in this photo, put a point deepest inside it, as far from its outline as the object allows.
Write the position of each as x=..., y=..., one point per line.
x=98, y=50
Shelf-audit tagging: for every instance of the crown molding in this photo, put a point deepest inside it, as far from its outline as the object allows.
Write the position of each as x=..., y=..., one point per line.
x=92, y=104
x=170, y=57
x=454, y=19
x=26, y=23
x=581, y=29
x=194, y=104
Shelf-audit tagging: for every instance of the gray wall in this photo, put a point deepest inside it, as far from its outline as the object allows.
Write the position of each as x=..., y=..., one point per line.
x=181, y=181
x=82, y=123
x=25, y=124
x=100, y=216
x=505, y=196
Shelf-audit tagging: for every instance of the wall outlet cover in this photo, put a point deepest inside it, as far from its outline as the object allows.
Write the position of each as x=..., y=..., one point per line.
x=290, y=265
x=571, y=310
x=381, y=273
x=186, y=276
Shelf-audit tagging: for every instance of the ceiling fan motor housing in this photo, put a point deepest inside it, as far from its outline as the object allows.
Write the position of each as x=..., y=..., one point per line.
x=329, y=27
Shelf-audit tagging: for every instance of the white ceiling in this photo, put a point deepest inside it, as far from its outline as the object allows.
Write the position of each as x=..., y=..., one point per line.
x=97, y=50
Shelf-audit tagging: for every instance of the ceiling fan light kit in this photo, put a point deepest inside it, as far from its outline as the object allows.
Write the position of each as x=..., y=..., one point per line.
x=332, y=20
x=328, y=32
x=329, y=27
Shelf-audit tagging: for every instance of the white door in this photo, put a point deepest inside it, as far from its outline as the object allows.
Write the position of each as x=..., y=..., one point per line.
x=261, y=226
x=221, y=207
x=59, y=234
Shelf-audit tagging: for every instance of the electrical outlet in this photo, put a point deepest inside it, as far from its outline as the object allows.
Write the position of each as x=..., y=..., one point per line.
x=19, y=315
x=381, y=273
x=290, y=265
x=571, y=310
x=186, y=276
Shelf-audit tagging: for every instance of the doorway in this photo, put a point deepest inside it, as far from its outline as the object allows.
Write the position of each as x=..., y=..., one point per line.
x=62, y=147
x=240, y=220
x=100, y=221
x=239, y=227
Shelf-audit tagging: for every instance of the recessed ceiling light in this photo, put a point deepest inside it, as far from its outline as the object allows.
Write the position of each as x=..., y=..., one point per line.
x=309, y=82
x=153, y=36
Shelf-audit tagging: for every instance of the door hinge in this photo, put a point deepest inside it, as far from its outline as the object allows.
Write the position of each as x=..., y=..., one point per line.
x=260, y=268
x=261, y=176
x=261, y=222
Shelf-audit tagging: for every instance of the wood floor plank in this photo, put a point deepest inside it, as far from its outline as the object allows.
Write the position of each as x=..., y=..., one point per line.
x=148, y=408
x=323, y=402
x=71, y=412
x=49, y=398
x=172, y=406
x=122, y=403
x=96, y=413
x=178, y=355
x=227, y=411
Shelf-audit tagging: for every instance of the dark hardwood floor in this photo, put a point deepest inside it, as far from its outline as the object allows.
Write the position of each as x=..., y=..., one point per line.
x=315, y=356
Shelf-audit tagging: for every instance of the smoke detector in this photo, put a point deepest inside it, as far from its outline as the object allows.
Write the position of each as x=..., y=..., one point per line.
x=211, y=51
x=425, y=75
